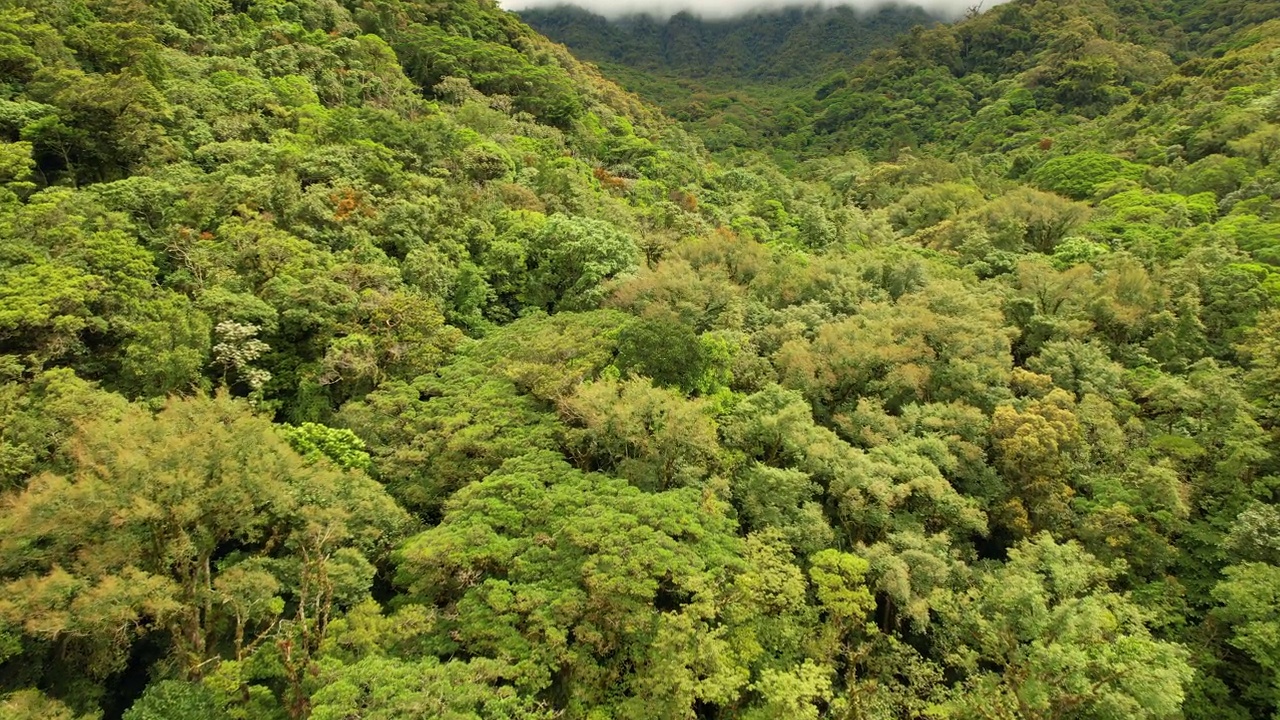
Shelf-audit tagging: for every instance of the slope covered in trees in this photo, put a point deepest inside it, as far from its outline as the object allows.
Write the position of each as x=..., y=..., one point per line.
x=380, y=360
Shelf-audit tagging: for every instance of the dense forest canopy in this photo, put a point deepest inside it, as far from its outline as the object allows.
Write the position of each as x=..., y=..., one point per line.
x=379, y=359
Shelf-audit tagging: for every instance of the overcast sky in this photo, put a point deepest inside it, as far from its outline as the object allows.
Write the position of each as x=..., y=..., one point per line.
x=729, y=8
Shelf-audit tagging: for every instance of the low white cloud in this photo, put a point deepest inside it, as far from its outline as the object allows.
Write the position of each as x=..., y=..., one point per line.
x=721, y=9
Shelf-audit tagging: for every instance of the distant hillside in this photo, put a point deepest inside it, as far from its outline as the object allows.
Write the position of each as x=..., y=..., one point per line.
x=1043, y=68
x=767, y=46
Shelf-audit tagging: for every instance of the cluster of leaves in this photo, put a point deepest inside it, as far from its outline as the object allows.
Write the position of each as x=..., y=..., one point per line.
x=379, y=360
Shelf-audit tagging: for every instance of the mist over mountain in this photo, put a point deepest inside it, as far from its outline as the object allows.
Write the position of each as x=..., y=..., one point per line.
x=725, y=9
x=776, y=45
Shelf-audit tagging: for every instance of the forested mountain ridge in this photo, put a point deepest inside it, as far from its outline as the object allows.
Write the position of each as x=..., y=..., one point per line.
x=1059, y=66
x=380, y=360
x=783, y=44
